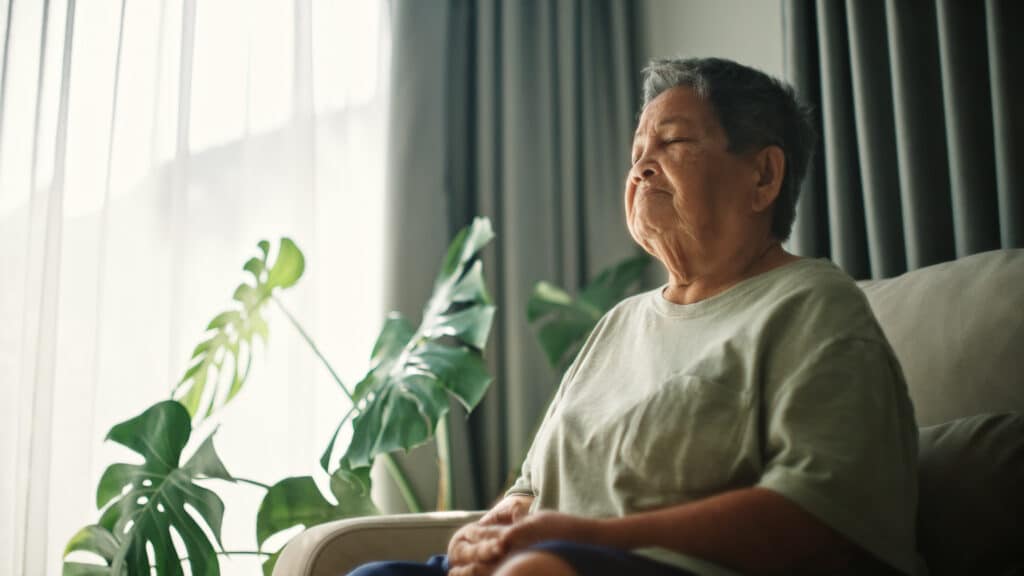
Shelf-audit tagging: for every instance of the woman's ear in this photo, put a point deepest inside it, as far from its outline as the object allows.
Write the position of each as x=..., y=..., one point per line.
x=770, y=163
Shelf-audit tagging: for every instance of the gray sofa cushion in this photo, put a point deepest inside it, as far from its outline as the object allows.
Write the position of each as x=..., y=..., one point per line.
x=971, y=500
x=958, y=331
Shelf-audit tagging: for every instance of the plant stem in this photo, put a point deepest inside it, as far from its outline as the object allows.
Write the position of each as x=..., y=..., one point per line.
x=312, y=345
x=445, y=489
x=397, y=474
x=253, y=482
x=402, y=481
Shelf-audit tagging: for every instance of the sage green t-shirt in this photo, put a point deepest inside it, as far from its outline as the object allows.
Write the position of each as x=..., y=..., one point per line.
x=784, y=381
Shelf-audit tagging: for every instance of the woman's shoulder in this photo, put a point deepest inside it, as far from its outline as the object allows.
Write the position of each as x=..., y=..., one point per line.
x=816, y=271
x=815, y=278
x=816, y=295
x=630, y=305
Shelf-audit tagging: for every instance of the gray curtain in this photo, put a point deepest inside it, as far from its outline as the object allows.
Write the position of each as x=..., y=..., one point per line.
x=921, y=113
x=522, y=112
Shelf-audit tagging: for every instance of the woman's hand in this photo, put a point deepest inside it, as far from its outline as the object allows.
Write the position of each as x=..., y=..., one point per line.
x=542, y=526
x=475, y=549
x=510, y=510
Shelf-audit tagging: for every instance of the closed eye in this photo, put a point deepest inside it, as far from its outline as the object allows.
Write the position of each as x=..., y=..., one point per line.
x=667, y=142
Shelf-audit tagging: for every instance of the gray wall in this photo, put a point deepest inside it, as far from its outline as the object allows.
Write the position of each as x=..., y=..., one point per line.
x=748, y=31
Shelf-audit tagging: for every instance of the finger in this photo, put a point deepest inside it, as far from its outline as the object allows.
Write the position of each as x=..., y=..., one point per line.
x=476, y=544
x=519, y=513
x=457, y=554
x=468, y=533
x=488, y=532
x=498, y=516
x=483, y=551
x=465, y=553
x=478, y=533
x=490, y=550
x=457, y=540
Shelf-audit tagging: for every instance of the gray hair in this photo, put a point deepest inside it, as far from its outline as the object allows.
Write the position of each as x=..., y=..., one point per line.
x=754, y=109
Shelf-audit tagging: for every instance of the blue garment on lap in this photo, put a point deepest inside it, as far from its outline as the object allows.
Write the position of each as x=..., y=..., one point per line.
x=586, y=560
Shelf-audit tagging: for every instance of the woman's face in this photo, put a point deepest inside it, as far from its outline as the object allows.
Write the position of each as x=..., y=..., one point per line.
x=684, y=187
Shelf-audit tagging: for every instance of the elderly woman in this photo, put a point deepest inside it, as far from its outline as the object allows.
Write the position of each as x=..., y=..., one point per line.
x=748, y=416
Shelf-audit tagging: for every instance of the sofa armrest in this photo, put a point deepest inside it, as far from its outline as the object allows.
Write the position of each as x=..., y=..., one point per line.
x=335, y=548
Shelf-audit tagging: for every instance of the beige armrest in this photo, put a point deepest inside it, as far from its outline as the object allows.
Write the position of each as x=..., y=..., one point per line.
x=334, y=548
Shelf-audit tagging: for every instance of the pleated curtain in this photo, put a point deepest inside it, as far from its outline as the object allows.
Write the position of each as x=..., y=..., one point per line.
x=522, y=112
x=145, y=148
x=920, y=108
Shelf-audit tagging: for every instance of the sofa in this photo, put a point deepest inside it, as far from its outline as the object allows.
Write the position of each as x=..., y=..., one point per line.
x=958, y=330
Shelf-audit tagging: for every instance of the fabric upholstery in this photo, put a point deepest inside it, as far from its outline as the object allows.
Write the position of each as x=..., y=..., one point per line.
x=958, y=330
x=971, y=506
x=334, y=548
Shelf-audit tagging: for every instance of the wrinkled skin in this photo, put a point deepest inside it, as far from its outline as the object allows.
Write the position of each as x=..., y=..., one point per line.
x=701, y=209
x=478, y=549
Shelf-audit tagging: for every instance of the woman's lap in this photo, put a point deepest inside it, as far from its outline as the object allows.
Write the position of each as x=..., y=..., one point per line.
x=436, y=566
x=585, y=559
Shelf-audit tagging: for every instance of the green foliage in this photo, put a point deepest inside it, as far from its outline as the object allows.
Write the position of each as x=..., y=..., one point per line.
x=564, y=324
x=398, y=404
x=297, y=501
x=228, y=344
x=405, y=394
x=142, y=503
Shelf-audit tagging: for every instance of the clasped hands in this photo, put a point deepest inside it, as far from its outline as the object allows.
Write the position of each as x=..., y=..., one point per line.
x=478, y=549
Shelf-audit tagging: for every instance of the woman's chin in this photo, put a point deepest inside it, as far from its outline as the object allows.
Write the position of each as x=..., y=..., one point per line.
x=652, y=225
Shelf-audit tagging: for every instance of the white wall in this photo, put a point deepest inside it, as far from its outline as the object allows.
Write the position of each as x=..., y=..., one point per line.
x=748, y=31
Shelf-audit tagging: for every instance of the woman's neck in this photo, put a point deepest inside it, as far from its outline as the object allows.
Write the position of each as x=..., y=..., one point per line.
x=686, y=287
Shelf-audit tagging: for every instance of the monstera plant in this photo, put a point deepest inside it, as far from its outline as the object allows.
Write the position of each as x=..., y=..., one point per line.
x=400, y=403
x=403, y=399
x=230, y=333
x=143, y=503
x=563, y=323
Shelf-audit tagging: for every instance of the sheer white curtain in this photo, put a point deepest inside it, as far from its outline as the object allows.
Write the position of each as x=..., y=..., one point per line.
x=145, y=147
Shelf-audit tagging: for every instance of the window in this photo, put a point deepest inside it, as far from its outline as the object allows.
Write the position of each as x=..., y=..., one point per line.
x=142, y=156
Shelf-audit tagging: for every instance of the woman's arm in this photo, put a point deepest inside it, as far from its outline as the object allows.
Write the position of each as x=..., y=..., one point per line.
x=753, y=530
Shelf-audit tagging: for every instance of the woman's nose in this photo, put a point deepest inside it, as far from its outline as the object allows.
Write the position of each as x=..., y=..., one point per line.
x=644, y=169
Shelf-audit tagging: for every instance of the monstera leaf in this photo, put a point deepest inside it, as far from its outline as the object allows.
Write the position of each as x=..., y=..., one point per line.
x=145, y=502
x=567, y=323
x=298, y=502
x=405, y=394
x=228, y=345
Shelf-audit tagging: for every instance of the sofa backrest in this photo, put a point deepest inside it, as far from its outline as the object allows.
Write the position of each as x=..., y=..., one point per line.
x=958, y=331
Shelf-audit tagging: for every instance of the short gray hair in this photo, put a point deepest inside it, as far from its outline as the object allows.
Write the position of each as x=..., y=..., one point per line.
x=754, y=109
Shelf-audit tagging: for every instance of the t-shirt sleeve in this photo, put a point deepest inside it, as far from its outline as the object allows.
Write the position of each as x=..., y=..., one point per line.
x=524, y=483
x=841, y=443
